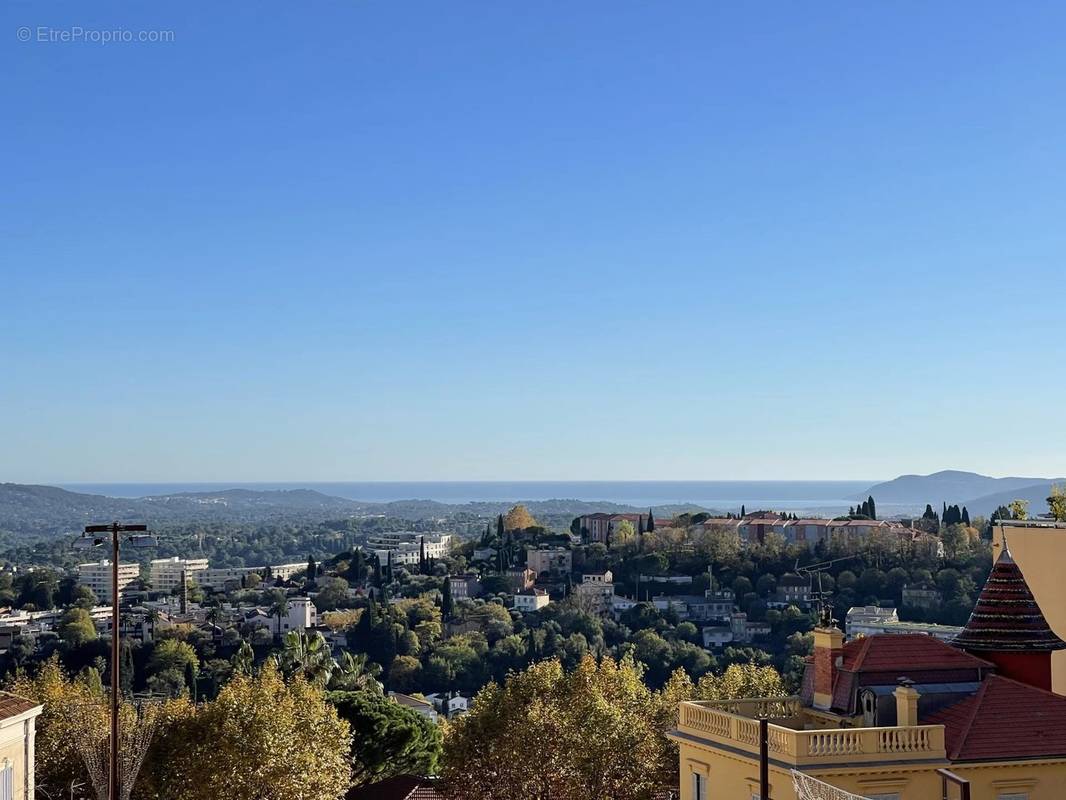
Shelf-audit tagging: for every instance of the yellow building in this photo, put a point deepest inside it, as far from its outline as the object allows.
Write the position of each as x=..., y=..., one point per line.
x=17, y=732
x=1040, y=550
x=879, y=716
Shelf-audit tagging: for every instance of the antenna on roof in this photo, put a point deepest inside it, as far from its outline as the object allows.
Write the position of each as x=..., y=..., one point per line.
x=814, y=572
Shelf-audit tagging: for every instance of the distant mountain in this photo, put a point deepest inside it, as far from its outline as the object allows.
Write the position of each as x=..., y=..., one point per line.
x=1036, y=494
x=47, y=509
x=950, y=486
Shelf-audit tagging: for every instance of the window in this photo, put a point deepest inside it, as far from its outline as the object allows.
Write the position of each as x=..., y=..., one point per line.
x=699, y=787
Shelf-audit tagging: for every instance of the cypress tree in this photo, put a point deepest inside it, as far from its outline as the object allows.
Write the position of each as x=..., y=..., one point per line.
x=446, y=603
x=651, y=522
x=873, y=508
x=421, y=555
x=499, y=527
x=743, y=513
x=388, y=569
x=190, y=680
x=965, y=517
x=312, y=568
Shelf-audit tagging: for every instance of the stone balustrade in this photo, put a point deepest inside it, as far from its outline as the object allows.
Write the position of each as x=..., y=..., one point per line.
x=736, y=724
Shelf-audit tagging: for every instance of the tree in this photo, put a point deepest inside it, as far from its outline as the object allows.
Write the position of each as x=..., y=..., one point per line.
x=518, y=519
x=651, y=523
x=872, y=513
x=263, y=738
x=1057, y=502
x=389, y=738
x=1019, y=509
x=76, y=627
x=306, y=655
x=447, y=605
x=279, y=608
x=312, y=568
x=71, y=743
x=591, y=725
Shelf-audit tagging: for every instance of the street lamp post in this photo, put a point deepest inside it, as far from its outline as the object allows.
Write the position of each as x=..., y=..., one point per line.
x=91, y=540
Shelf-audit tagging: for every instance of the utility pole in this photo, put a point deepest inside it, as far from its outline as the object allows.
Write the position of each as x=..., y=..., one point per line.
x=113, y=777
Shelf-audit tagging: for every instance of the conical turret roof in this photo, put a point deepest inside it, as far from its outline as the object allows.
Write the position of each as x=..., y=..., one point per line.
x=1007, y=616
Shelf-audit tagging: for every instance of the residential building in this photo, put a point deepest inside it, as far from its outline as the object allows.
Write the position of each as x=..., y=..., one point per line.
x=924, y=595
x=423, y=707
x=550, y=559
x=600, y=527
x=221, y=578
x=449, y=704
x=715, y=636
x=596, y=590
x=97, y=576
x=530, y=600
x=753, y=528
x=870, y=620
x=18, y=725
x=465, y=586
x=792, y=590
x=1039, y=547
x=520, y=578
x=301, y=615
x=407, y=547
x=165, y=574
x=879, y=716
x=720, y=603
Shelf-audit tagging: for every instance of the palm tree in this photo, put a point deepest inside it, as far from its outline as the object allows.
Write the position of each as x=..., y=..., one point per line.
x=307, y=655
x=152, y=617
x=279, y=608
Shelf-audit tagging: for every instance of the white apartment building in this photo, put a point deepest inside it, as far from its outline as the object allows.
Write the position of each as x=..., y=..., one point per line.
x=301, y=616
x=97, y=576
x=406, y=546
x=165, y=573
x=215, y=578
x=530, y=600
x=871, y=620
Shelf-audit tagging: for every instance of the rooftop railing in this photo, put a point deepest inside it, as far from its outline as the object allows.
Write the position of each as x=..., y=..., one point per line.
x=735, y=723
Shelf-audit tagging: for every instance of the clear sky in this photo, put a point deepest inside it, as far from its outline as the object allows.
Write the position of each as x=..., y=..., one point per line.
x=357, y=240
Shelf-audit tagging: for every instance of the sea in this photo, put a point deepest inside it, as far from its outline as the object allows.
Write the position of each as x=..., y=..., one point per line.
x=780, y=495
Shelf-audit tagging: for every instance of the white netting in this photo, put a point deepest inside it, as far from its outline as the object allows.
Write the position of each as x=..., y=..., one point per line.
x=808, y=788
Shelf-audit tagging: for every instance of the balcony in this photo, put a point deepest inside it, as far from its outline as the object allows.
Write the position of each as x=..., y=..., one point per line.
x=801, y=737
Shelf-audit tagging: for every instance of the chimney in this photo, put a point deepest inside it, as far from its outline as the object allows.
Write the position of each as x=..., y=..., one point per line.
x=828, y=653
x=906, y=704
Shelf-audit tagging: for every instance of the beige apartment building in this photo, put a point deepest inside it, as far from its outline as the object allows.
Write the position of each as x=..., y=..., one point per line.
x=97, y=576
x=165, y=573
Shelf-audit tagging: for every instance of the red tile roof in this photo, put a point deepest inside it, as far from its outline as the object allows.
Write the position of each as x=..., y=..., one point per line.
x=11, y=705
x=1006, y=616
x=906, y=651
x=401, y=787
x=1005, y=719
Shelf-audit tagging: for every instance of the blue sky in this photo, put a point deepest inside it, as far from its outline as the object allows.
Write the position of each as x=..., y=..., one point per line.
x=602, y=240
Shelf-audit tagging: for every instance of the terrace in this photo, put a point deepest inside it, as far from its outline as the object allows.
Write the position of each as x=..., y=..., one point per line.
x=803, y=737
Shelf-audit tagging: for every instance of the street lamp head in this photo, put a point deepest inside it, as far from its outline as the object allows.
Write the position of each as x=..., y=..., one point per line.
x=86, y=543
x=144, y=540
